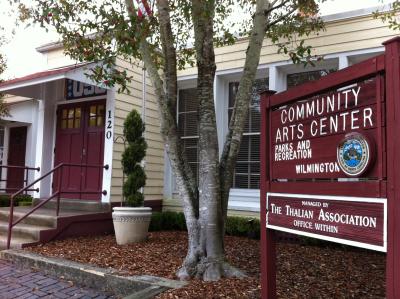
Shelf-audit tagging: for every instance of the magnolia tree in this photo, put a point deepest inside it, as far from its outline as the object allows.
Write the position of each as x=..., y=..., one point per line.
x=390, y=14
x=3, y=107
x=168, y=36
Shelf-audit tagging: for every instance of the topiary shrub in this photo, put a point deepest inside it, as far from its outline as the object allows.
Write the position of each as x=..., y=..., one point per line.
x=131, y=158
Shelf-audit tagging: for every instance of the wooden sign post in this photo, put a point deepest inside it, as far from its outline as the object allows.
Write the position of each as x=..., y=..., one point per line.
x=330, y=163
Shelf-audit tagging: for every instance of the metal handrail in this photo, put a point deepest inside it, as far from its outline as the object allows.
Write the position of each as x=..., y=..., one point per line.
x=58, y=193
x=26, y=175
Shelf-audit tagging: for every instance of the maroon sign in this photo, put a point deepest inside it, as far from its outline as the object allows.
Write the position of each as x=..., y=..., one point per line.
x=349, y=220
x=337, y=139
x=305, y=135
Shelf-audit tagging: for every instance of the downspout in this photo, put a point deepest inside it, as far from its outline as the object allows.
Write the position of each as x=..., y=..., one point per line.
x=144, y=113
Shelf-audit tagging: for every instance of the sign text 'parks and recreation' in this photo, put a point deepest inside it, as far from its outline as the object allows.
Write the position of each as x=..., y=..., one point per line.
x=305, y=135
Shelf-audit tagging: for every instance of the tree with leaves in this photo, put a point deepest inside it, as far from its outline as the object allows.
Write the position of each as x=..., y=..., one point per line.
x=3, y=106
x=390, y=15
x=168, y=35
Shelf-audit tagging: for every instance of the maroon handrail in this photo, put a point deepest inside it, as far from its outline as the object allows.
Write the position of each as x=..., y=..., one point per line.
x=58, y=193
x=25, y=181
x=20, y=167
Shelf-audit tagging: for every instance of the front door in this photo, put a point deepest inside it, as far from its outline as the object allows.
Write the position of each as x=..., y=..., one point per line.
x=80, y=140
x=16, y=157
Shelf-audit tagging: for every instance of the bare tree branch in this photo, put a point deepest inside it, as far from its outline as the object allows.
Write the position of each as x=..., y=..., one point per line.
x=184, y=175
x=167, y=41
x=241, y=108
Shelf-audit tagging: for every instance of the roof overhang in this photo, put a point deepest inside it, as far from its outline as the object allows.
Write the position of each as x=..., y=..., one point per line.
x=33, y=85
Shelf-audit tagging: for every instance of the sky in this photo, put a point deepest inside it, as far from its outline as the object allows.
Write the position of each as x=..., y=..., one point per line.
x=22, y=58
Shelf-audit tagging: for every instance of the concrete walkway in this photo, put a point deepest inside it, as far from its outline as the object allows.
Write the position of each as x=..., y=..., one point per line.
x=24, y=284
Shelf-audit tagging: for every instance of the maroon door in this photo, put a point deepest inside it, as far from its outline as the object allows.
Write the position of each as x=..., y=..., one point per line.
x=80, y=140
x=16, y=157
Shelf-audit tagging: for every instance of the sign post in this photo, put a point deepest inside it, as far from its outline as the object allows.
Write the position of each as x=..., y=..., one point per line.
x=392, y=72
x=325, y=147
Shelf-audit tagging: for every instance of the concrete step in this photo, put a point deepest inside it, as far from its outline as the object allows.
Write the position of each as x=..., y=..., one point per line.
x=34, y=219
x=75, y=205
x=16, y=243
x=23, y=230
x=107, y=279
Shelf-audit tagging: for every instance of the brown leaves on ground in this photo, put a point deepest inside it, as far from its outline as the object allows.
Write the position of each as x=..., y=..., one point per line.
x=303, y=271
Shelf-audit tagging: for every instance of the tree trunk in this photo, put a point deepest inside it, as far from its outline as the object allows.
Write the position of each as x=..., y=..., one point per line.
x=204, y=206
x=210, y=212
x=242, y=101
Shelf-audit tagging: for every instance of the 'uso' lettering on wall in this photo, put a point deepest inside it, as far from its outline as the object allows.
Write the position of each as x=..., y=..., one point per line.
x=77, y=90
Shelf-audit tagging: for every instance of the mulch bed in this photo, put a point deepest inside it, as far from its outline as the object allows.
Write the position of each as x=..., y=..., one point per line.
x=303, y=271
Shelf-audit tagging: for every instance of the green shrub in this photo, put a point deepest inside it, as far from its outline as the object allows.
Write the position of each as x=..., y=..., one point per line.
x=20, y=200
x=24, y=203
x=5, y=201
x=243, y=226
x=131, y=158
x=235, y=226
x=167, y=221
x=133, y=126
x=24, y=198
x=307, y=241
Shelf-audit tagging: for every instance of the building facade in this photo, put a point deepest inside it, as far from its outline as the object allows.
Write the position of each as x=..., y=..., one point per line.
x=63, y=117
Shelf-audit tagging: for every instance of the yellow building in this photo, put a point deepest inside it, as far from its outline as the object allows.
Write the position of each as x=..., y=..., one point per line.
x=64, y=117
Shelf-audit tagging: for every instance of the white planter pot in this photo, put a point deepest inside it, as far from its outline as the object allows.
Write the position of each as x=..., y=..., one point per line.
x=131, y=224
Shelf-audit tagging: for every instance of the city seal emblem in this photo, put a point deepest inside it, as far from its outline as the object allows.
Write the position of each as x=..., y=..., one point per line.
x=353, y=154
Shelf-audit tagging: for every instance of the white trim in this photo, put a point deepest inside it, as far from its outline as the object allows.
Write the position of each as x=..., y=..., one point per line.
x=77, y=74
x=5, y=154
x=219, y=104
x=356, y=13
x=80, y=100
x=244, y=200
x=343, y=62
x=108, y=145
x=333, y=239
x=54, y=140
x=187, y=77
x=39, y=143
x=32, y=82
x=252, y=134
x=288, y=62
x=187, y=82
x=375, y=50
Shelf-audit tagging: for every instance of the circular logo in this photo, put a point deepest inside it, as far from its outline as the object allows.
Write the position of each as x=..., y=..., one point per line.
x=353, y=154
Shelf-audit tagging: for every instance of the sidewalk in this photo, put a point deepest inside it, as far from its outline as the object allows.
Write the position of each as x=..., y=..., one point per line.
x=29, y=284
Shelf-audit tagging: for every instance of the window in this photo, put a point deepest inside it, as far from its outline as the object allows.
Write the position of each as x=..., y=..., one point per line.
x=300, y=78
x=96, y=115
x=71, y=118
x=1, y=147
x=188, y=126
x=247, y=171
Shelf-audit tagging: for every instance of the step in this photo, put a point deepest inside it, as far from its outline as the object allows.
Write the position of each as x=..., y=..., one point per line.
x=23, y=230
x=75, y=205
x=106, y=279
x=16, y=243
x=34, y=219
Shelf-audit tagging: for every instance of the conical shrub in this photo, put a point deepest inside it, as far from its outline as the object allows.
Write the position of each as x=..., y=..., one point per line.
x=131, y=159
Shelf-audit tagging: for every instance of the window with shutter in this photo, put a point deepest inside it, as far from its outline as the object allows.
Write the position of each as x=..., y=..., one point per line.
x=188, y=126
x=1, y=147
x=300, y=78
x=247, y=170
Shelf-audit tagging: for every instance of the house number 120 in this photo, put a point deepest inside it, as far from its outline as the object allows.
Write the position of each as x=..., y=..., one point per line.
x=109, y=125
